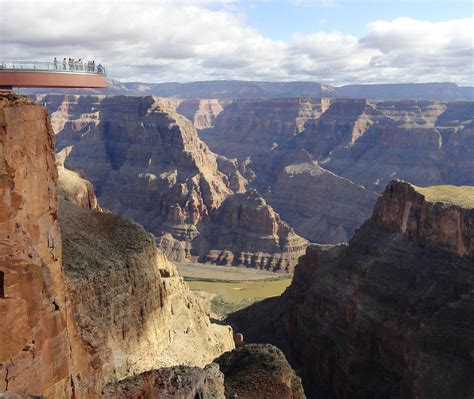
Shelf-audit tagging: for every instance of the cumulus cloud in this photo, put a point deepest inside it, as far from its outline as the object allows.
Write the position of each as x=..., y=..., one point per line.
x=181, y=40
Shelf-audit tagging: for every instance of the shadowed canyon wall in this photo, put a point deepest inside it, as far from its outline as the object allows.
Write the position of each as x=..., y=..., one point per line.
x=389, y=315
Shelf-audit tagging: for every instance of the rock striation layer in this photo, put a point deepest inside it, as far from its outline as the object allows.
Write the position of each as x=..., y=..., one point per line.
x=392, y=313
x=368, y=143
x=320, y=205
x=246, y=231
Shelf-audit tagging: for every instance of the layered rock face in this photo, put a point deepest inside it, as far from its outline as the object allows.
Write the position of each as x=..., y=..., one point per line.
x=320, y=205
x=423, y=142
x=308, y=197
x=366, y=142
x=245, y=230
x=147, y=162
x=34, y=348
x=391, y=314
x=253, y=128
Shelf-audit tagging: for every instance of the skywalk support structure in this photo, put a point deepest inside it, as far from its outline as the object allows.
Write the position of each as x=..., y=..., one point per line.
x=49, y=74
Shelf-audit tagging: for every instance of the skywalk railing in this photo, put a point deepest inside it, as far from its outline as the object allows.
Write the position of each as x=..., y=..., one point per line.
x=36, y=66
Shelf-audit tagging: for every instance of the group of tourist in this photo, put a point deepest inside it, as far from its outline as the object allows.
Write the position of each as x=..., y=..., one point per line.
x=78, y=65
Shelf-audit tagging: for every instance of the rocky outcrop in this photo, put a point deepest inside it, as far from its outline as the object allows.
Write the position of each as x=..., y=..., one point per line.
x=34, y=348
x=246, y=231
x=259, y=372
x=249, y=372
x=133, y=311
x=170, y=383
x=73, y=187
x=389, y=315
x=439, y=216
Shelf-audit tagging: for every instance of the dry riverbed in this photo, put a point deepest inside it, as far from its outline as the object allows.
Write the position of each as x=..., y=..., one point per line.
x=232, y=288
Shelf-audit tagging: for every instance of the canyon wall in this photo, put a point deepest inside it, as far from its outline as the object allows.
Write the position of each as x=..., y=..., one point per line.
x=291, y=144
x=389, y=315
x=147, y=162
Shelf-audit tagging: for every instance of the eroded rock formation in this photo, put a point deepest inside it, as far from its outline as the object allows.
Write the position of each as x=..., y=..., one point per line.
x=147, y=162
x=392, y=313
x=132, y=309
x=259, y=371
x=250, y=372
x=245, y=230
x=366, y=142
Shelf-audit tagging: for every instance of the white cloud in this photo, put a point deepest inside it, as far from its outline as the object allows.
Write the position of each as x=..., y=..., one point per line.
x=198, y=40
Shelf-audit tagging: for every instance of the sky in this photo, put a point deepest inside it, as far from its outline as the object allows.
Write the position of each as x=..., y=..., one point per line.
x=328, y=41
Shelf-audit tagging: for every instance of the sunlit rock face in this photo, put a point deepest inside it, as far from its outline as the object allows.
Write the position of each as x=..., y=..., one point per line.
x=34, y=349
x=389, y=315
x=133, y=311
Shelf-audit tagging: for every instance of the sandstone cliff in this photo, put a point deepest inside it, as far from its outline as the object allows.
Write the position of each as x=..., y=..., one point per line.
x=34, y=349
x=389, y=315
x=132, y=309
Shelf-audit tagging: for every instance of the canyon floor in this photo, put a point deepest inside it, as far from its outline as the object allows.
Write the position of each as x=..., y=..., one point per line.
x=232, y=288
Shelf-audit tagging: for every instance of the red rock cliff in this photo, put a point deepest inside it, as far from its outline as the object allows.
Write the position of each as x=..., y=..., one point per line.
x=34, y=350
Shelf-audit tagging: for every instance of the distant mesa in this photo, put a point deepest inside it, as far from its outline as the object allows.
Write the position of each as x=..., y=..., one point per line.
x=51, y=75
